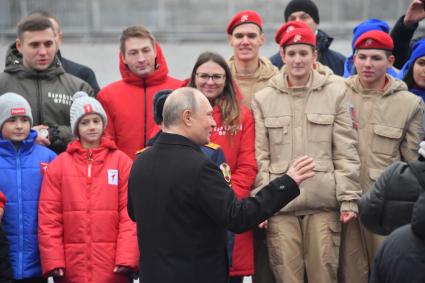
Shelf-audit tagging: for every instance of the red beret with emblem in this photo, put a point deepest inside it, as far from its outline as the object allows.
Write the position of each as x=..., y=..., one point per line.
x=245, y=17
x=375, y=39
x=295, y=32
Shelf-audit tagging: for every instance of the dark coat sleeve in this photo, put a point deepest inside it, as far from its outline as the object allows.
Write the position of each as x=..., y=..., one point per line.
x=238, y=216
x=402, y=37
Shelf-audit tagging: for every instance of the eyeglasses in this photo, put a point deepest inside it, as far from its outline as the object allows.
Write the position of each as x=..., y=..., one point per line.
x=204, y=77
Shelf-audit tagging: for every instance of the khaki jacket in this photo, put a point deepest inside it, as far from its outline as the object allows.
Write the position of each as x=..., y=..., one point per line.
x=252, y=83
x=312, y=121
x=389, y=126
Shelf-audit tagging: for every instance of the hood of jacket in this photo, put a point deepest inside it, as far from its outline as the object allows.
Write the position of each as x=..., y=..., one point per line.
x=317, y=80
x=157, y=77
x=323, y=40
x=8, y=149
x=14, y=65
x=394, y=85
x=98, y=154
x=265, y=71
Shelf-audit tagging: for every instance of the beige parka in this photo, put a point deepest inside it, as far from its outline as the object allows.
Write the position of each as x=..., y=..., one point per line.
x=389, y=125
x=315, y=121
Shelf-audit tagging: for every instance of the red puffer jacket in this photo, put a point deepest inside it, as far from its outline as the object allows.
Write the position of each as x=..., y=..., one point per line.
x=83, y=222
x=129, y=105
x=239, y=150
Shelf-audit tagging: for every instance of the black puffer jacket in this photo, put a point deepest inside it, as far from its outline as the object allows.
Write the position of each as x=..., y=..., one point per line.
x=401, y=257
x=334, y=60
x=388, y=205
x=49, y=93
x=6, y=272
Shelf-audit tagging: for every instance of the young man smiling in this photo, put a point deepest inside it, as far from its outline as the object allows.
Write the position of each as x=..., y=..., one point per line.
x=34, y=71
x=250, y=71
x=128, y=102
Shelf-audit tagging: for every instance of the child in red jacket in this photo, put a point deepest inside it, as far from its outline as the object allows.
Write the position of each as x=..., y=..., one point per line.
x=85, y=233
x=6, y=273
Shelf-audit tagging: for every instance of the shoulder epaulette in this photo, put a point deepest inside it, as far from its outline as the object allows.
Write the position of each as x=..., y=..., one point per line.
x=213, y=146
x=141, y=150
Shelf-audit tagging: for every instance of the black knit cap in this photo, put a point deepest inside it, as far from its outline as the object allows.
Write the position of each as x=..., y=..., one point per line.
x=158, y=104
x=306, y=6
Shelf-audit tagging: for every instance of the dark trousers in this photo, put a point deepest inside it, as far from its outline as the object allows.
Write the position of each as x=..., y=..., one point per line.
x=236, y=279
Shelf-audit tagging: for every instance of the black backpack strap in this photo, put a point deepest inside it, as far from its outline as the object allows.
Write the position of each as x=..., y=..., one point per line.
x=418, y=169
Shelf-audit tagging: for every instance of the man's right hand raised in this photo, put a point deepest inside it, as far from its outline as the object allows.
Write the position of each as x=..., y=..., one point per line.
x=301, y=169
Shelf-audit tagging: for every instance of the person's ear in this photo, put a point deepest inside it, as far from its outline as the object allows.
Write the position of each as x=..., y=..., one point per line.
x=19, y=45
x=391, y=60
x=187, y=117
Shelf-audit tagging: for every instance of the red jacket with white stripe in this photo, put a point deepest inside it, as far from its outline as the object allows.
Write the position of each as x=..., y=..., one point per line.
x=83, y=222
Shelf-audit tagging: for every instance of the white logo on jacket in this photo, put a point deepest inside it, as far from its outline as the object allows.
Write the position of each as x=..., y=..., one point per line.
x=113, y=177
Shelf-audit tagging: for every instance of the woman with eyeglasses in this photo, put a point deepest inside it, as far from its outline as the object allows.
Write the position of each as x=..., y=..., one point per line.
x=235, y=134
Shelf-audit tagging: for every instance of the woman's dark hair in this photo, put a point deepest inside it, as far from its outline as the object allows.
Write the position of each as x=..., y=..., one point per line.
x=227, y=102
x=408, y=78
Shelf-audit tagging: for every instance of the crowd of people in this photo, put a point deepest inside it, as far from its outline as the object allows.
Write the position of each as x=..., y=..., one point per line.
x=291, y=168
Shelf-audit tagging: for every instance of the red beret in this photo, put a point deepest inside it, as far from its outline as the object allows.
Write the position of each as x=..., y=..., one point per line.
x=295, y=32
x=374, y=39
x=285, y=28
x=245, y=17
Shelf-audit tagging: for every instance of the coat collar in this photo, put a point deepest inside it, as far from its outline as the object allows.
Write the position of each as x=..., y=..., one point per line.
x=174, y=139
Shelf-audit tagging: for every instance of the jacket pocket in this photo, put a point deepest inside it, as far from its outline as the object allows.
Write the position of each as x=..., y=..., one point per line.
x=386, y=139
x=320, y=127
x=278, y=129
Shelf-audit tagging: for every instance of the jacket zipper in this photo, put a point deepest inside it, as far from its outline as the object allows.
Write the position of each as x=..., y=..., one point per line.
x=40, y=101
x=20, y=217
x=89, y=167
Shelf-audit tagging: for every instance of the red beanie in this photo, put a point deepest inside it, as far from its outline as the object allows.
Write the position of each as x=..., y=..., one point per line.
x=375, y=39
x=245, y=17
x=295, y=32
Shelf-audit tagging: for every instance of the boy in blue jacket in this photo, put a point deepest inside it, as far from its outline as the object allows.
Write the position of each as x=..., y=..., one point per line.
x=22, y=164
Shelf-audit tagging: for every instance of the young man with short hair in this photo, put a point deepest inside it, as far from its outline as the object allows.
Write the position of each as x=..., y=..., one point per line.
x=34, y=71
x=128, y=102
x=250, y=70
x=71, y=67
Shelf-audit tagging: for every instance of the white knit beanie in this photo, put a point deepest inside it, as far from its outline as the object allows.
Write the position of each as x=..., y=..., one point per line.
x=84, y=105
x=12, y=104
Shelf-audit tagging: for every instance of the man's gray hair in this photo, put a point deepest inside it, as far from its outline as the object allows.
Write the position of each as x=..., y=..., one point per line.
x=186, y=98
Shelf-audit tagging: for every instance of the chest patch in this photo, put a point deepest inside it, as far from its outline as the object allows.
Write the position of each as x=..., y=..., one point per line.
x=113, y=177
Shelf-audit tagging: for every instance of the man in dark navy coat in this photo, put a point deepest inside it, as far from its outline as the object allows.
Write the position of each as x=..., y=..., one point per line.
x=183, y=205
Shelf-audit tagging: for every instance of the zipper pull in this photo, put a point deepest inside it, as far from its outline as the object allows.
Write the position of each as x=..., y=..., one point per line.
x=89, y=179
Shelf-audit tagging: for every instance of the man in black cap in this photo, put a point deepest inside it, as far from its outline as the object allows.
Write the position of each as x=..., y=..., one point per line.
x=306, y=11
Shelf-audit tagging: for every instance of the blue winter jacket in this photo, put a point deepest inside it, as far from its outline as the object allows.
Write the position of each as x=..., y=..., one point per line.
x=20, y=182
